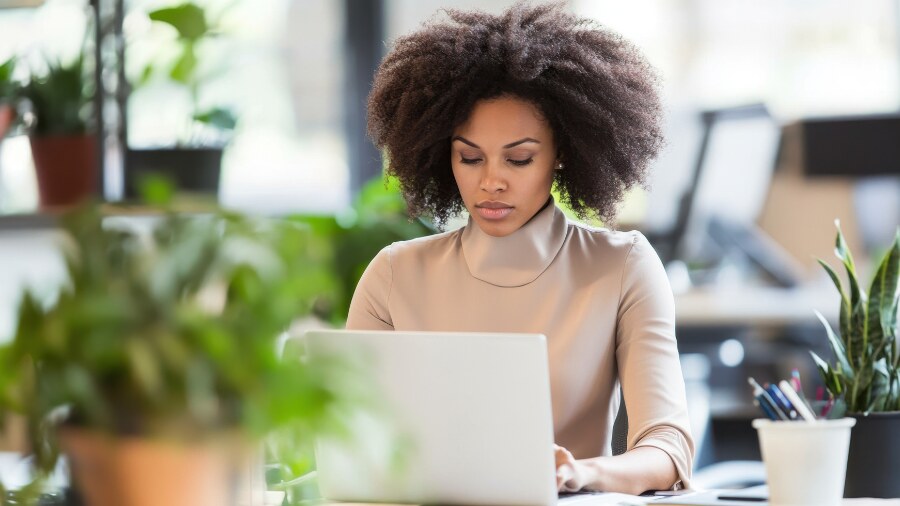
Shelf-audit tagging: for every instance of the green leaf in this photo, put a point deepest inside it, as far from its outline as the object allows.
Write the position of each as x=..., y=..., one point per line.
x=878, y=388
x=60, y=98
x=882, y=314
x=843, y=253
x=156, y=190
x=845, y=309
x=145, y=76
x=884, y=291
x=837, y=347
x=839, y=410
x=144, y=367
x=219, y=117
x=829, y=377
x=183, y=71
x=856, y=338
x=6, y=69
x=188, y=19
x=7, y=87
x=80, y=384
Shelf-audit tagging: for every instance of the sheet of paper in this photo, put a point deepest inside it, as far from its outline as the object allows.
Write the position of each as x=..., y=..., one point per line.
x=606, y=498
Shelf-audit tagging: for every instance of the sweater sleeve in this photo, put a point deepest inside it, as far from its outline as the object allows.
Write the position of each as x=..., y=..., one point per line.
x=369, y=306
x=648, y=363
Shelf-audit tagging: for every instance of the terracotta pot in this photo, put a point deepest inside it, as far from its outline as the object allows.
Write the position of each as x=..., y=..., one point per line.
x=66, y=169
x=132, y=471
x=7, y=115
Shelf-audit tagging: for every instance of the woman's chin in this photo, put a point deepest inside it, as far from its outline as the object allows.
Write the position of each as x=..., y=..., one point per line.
x=496, y=228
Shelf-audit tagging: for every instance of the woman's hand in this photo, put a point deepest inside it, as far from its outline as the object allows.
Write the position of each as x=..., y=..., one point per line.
x=633, y=472
x=571, y=475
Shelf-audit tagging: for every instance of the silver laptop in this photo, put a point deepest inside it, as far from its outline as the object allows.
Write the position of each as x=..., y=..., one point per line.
x=465, y=418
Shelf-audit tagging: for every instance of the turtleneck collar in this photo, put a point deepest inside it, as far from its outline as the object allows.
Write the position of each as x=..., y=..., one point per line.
x=520, y=257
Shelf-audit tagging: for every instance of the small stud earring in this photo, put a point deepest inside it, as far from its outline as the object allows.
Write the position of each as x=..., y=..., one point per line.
x=559, y=166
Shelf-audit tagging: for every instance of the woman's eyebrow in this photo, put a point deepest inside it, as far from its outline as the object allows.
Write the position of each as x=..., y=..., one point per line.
x=510, y=145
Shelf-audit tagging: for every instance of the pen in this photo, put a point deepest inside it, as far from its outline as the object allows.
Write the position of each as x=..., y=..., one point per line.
x=795, y=380
x=782, y=402
x=765, y=399
x=798, y=387
x=796, y=401
x=766, y=408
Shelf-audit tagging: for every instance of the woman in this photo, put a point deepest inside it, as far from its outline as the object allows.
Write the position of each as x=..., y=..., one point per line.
x=487, y=113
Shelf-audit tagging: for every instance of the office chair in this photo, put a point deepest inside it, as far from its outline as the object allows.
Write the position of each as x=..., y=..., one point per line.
x=620, y=428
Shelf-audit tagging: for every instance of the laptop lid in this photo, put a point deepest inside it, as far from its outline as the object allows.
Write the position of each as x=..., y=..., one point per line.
x=466, y=419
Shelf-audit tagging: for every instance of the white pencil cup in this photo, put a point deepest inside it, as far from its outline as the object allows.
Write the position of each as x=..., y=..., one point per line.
x=805, y=461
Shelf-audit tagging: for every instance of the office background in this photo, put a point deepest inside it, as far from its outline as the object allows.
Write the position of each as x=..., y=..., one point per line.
x=733, y=205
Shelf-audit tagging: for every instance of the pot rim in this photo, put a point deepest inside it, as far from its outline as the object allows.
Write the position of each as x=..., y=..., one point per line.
x=760, y=423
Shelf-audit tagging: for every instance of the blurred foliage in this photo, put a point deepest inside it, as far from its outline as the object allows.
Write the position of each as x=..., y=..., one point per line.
x=564, y=206
x=172, y=331
x=866, y=372
x=377, y=218
x=9, y=91
x=56, y=99
x=8, y=87
x=193, y=27
x=61, y=98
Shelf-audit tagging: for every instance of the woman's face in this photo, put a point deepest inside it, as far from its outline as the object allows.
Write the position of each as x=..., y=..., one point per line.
x=503, y=158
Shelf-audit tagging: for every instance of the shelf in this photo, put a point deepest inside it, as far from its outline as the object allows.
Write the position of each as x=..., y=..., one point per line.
x=20, y=4
x=29, y=221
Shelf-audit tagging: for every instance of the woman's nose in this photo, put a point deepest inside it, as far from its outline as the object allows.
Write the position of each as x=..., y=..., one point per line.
x=492, y=180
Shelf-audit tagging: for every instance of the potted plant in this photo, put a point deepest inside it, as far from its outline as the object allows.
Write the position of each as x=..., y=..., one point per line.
x=865, y=375
x=60, y=127
x=157, y=367
x=194, y=164
x=7, y=96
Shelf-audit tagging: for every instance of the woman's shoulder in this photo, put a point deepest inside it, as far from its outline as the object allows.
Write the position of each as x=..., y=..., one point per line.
x=628, y=252
x=593, y=238
x=424, y=246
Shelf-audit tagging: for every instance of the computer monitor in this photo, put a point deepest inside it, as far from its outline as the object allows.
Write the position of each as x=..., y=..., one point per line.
x=854, y=146
x=735, y=161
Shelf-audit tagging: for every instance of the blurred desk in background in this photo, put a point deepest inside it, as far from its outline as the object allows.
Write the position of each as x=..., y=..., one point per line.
x=735, y=331
x=756, y=306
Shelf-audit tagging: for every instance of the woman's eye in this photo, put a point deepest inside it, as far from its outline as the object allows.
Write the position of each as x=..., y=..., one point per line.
x=469, y=161
x=521, y=163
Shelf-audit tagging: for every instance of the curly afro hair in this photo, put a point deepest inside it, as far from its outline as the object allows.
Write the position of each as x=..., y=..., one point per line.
x=594, y=88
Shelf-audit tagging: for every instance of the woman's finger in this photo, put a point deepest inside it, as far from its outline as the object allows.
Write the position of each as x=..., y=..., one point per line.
x=562, y=455
x=564, y=473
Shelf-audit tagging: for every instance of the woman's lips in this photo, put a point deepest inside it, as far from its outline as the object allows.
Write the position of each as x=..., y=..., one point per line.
x=494, y=213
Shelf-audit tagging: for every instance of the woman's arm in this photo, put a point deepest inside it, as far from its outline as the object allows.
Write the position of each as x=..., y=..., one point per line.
x=660, y=447
x=649, y=367
x=634, y=472
x=369, y=306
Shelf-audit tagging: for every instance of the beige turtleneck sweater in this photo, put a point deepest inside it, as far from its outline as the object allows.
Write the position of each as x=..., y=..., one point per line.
x=600, y=297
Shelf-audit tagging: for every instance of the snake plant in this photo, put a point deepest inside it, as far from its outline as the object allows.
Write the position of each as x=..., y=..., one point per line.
x=866, y=369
